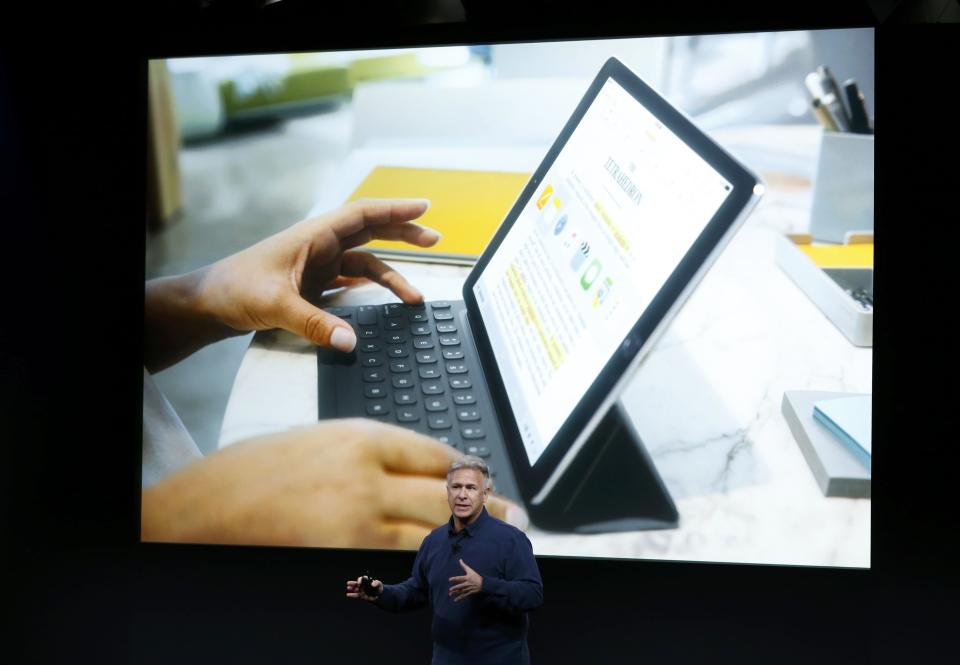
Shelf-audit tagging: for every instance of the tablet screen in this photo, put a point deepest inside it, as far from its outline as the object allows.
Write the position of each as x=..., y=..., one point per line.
x=615, y=213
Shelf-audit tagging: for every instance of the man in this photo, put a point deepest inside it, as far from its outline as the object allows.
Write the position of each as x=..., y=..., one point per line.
x=478, y=574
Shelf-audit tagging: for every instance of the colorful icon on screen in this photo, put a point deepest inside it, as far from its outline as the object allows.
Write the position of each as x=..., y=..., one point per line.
x=558, y=227
x=544, y=196
x=580, y=255
x=590, y=275
x=603, y=290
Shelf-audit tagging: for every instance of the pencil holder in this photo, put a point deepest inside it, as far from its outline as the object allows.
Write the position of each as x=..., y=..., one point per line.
x=843, y=186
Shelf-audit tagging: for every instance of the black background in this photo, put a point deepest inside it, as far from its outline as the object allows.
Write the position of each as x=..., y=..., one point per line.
x=72, y=136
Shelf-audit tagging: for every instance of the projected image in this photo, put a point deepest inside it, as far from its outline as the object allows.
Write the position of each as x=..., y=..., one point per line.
x=311, y=370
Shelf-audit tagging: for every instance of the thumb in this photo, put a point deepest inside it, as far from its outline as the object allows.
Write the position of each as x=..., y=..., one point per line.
x=313, y=324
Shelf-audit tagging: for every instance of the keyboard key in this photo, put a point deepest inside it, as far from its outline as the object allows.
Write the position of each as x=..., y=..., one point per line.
x=367, y=315
x=396, y=338
x=456, y=368
x=429, y=372
x=452, y=354
x=397, y=351
x=368, y=347
x=394, y=324
x=449, y=439
x=420, y=329
x=478, y=451
x=378, y=408
x=440, y=304
x=442, y=315
x=405, y=397
x=436, y=404
x=371, y=361
x=402, y=381
x=372, y=375
x=417, y=317
x=342, y=312
x=367, y=333
x=473, y=432
x=439, y=421
x=467, y=415
x=446, y=328
x=426, y=357
x=423, y=343
x=393, y=309
x=400, y=366
x=457, y=382
x=407, y=415
x=432, y=387
x=449, y=340
x=375, y=391
x=464, y=398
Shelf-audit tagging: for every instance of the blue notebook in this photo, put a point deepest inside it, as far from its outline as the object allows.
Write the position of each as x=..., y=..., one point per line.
x=849, y=420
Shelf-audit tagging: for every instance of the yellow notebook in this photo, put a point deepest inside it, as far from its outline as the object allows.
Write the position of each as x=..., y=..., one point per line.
x=466, y=208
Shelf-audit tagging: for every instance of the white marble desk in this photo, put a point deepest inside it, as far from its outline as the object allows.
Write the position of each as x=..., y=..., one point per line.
x=706, y=402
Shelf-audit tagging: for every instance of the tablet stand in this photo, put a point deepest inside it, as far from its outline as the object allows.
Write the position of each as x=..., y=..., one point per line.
x=612, y=485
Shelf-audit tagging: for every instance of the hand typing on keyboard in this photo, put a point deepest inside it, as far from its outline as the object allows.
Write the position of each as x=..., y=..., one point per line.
x=277, y=282
x=342, y=483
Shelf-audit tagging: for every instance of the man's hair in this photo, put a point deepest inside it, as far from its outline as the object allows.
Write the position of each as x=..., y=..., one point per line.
x=470, y=462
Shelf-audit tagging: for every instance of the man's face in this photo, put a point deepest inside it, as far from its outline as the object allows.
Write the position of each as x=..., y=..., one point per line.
x=466, y=494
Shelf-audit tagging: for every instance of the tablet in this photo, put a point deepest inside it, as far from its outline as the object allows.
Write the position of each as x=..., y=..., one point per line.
x=618, y=224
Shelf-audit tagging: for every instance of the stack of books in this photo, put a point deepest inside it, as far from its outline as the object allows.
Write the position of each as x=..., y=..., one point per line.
x=833, y=431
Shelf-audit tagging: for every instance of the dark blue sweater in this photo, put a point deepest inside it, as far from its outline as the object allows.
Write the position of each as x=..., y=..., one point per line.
x=488, y=627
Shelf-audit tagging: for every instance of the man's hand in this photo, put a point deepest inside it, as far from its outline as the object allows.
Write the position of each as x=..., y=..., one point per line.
x=355, y=589
x=278, y=282
x=341, y=483
x=465, y=585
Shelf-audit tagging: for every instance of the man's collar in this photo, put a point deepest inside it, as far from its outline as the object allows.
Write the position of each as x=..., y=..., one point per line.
x=470, y=529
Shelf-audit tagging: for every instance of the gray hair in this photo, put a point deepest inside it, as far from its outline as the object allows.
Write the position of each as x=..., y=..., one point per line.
x=470, y=462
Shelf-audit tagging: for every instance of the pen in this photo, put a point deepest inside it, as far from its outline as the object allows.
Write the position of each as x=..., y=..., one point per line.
x=815, y=85
x=823, y=115
x=831, y=85
x=831, y=104
x=859, y=122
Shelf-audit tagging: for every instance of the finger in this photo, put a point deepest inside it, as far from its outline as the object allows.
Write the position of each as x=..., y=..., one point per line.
x=416, y=498
x=341, y=281
x=364, y=264
x=313, y=324
x=409, y=232
x=403, y=535
x=364, y=213
x=404, y=451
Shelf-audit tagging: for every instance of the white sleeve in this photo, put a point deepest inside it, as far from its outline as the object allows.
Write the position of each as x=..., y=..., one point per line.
x=167, y=445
